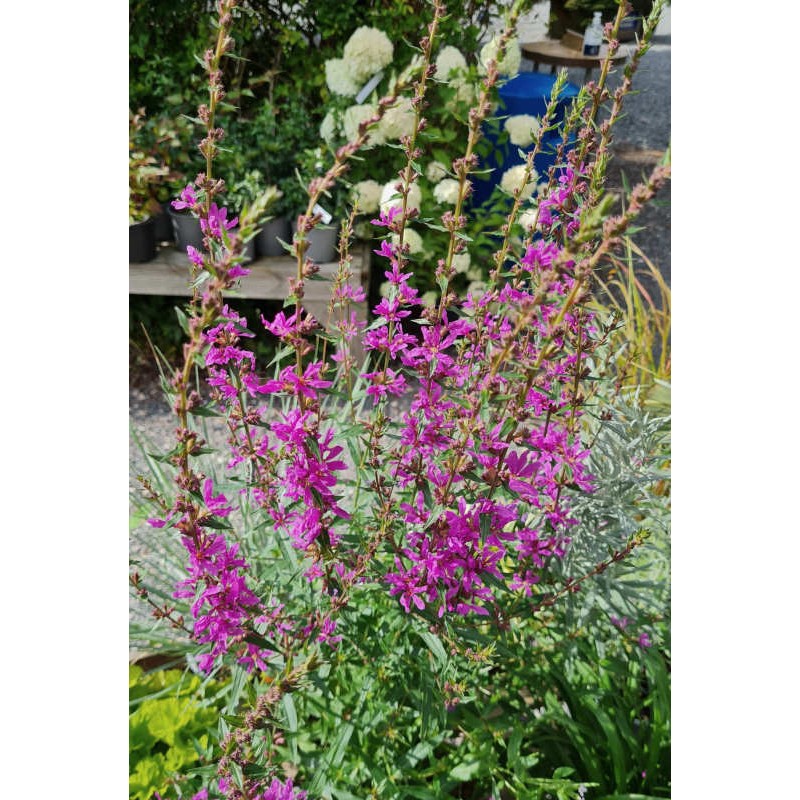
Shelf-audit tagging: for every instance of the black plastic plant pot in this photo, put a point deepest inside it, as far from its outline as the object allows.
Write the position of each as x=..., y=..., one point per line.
x=187, y=230
x=267, y=243
x=249, y=251
x=321, y=244
x=141, y=241
x=163, y=227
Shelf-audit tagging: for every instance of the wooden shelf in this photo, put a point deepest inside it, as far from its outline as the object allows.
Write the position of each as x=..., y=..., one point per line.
x=170, y=274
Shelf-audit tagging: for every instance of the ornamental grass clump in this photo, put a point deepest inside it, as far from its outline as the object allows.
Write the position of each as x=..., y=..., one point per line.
x=434, y=455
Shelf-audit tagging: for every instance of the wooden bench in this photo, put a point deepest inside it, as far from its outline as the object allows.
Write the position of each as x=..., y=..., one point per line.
x=169, y=274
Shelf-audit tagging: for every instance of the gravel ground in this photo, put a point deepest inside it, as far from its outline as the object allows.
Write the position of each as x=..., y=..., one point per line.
x=641, y=137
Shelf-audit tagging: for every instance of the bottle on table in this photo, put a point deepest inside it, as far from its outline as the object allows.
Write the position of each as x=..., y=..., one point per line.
x=593, y=36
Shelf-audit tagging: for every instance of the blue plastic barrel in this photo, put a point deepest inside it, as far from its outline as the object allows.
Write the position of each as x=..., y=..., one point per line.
x=527, y=93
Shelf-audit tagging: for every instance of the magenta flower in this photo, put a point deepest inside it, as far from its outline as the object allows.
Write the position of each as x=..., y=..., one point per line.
x=386, y=217
x=282, y=325
x=188, y=198
x=216, y=505
x=304, y=385
x=383, y=383
x=281, y=791
x=385, y=249
x=195, y=256
x=217, y=220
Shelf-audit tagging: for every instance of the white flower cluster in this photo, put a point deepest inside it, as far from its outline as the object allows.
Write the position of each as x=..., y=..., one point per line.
x=435, y=171
x=461, y=262
x=430, y=299
x=477, y=289
x=414, y=197
x=511, y=61
x=512, y=179
x=398, y=120
x=412, y=239
x=368, y=196
x=450, y=64
x=527, y=218
x=522, y=129
x=446, y=191
x=339, y=79
x=329, y=128
x=367, y=51
x=354, y=116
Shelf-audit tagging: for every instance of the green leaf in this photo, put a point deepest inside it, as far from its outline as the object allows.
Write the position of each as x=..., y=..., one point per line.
x=261, y=641
x=466, y=770
x=183, y=320
x=436, y=648
x=205, y=411
x=291, y=721
x=201, y=279
x=217, y=523
x=513, y=747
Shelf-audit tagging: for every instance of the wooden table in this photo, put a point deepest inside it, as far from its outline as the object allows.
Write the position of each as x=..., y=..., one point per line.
x=559, y=54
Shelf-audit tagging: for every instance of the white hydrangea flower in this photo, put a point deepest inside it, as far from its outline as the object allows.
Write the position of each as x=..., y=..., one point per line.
x=339, y=78
x=413, y=67
x=474, y=274
x=477, y=289
x=414, y=197
x=367, y=51
x=522, y=128
x=527, y=218
x=512, y=179
x=511, y=61
x=450, y=63
x=368, y=195
x=398, y=120
x=435, y=171
x=329, y=128
x=354, y=116
x=446, y=191
x=466, y=94
x=461, y=263
x=430, y=299
x=412, y=239
x=385, y=289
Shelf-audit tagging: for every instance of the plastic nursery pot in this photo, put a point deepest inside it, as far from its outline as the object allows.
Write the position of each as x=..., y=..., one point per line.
x=267, y=243
x=163, y=227
x=249, y=248
x=141, y=241
x=321, y=243
x=186, y=229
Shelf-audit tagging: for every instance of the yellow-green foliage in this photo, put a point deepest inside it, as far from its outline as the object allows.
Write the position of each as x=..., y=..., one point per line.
x=170, y=728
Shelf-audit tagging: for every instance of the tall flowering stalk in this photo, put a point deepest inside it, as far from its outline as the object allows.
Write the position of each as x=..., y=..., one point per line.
x=442, y=467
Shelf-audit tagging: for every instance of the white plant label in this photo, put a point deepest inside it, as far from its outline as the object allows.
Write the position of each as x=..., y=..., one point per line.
x=326, y=217
x=366, y=89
